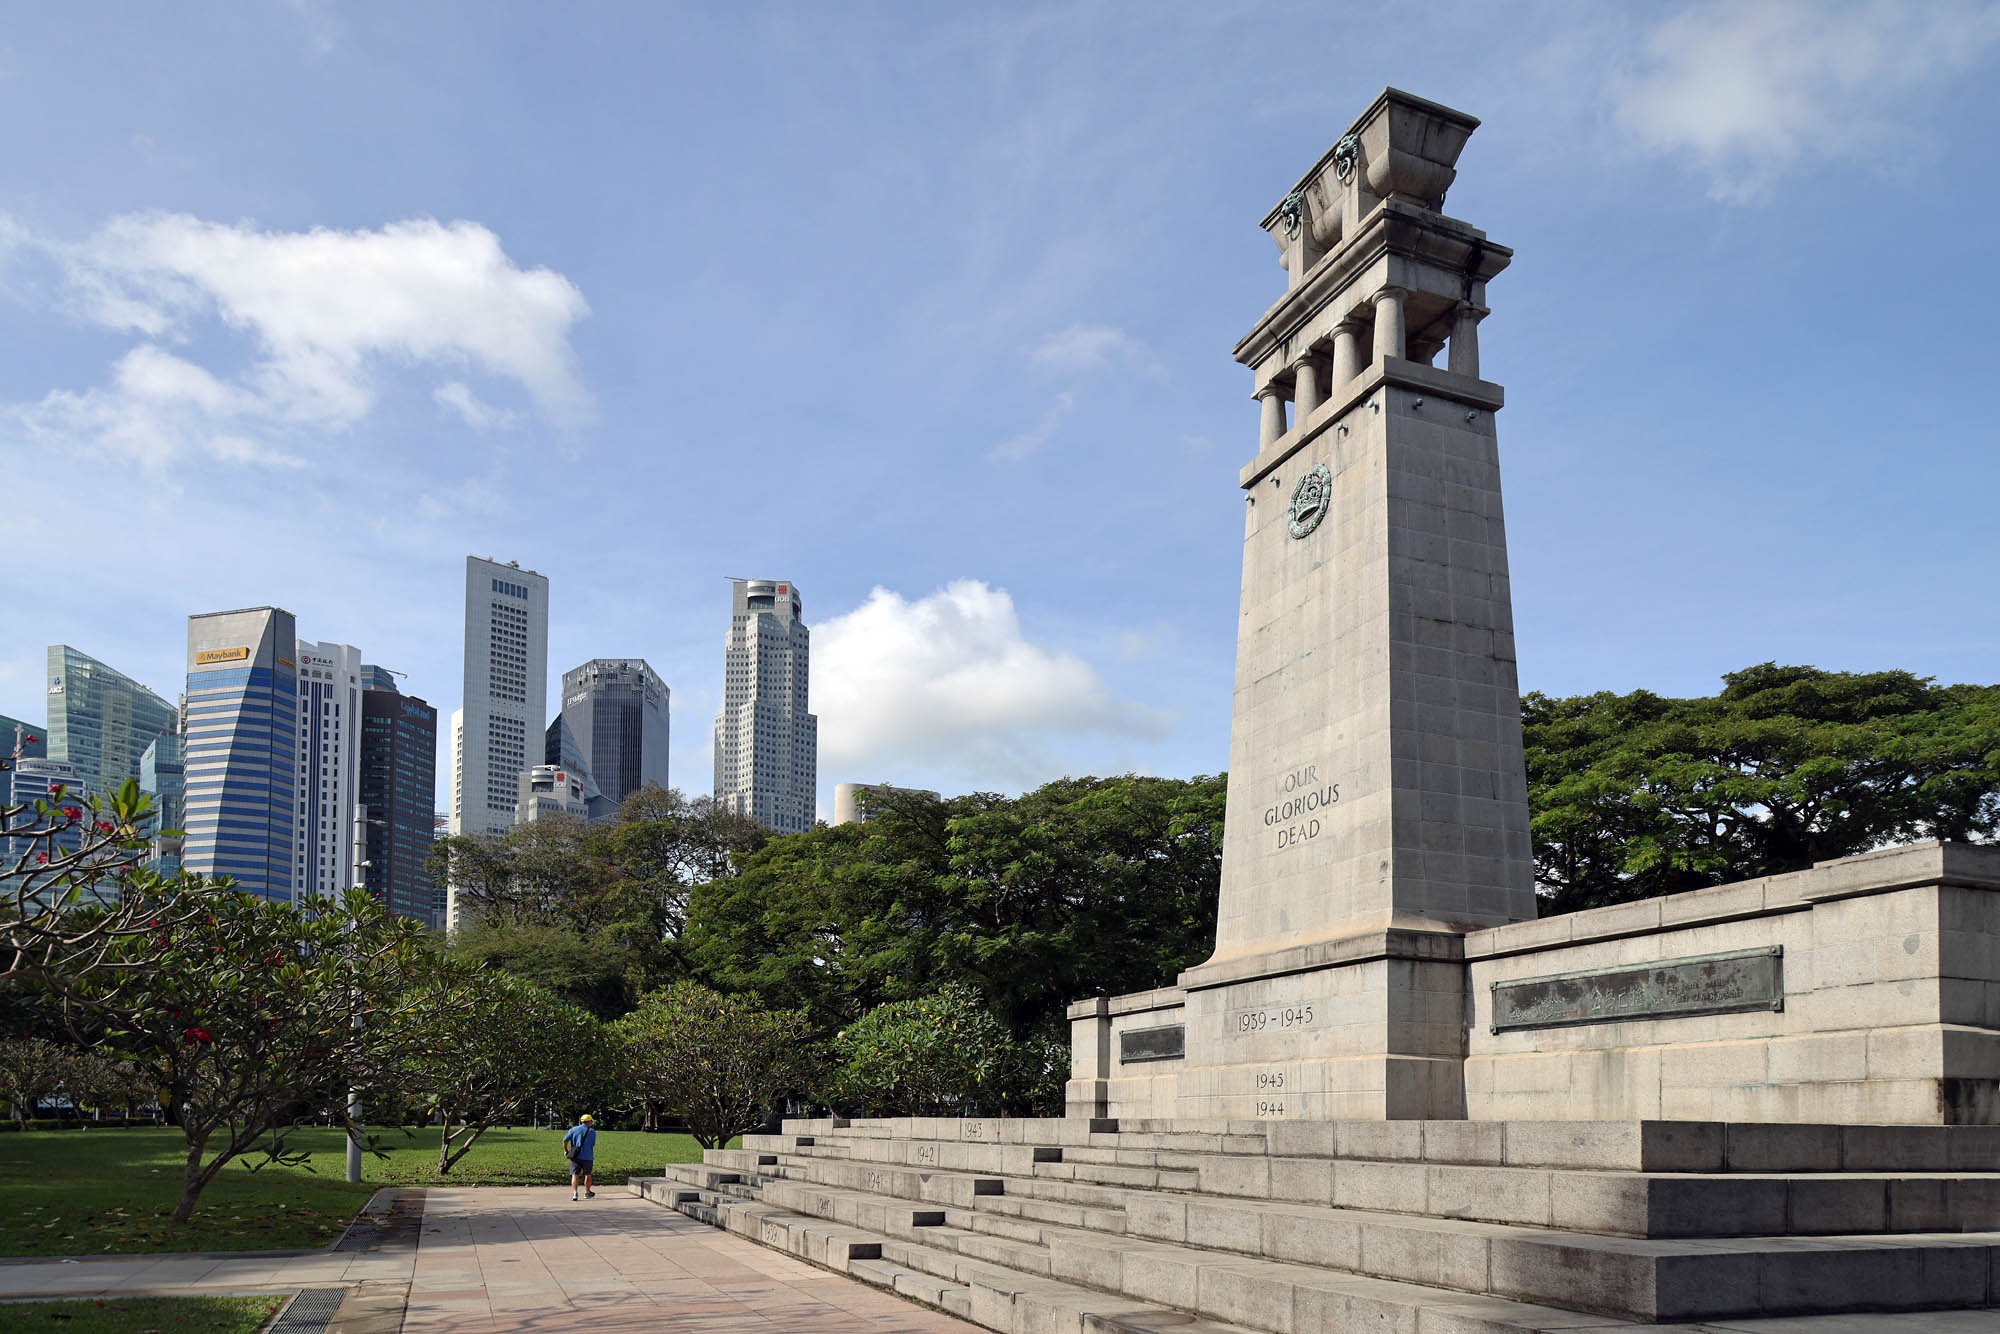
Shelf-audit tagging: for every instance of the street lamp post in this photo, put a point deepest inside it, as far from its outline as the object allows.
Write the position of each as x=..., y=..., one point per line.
x=360, y=881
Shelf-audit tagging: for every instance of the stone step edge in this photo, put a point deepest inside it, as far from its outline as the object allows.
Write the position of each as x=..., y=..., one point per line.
x=1659, y=1285
x=1656, y=1146
x=1100, y=1312
x=1341, y=1299
x=1778, y=1217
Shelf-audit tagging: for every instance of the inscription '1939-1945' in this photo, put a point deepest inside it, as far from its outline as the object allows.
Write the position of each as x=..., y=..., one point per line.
x=1300, y=793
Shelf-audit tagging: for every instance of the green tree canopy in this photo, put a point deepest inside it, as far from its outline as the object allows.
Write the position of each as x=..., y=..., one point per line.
x=592, y=913
x=1082, y=887
x=943, y=1054
x=251, y=1016
x=1640, y=795
x=718, y=1062
x=494, y=1046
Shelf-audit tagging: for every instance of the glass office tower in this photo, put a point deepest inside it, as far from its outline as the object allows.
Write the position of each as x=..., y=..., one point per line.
x=162, y=772
x=100, y=719
x=29, y=740
x=616, y=708
x=398, y=791
x=242, y=748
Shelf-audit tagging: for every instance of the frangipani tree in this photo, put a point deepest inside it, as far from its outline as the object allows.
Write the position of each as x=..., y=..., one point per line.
x=253, y=1016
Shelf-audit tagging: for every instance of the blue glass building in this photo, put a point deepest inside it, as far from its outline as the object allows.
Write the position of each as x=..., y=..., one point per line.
x=33, y=740
x=163, y=772
x=241, y=746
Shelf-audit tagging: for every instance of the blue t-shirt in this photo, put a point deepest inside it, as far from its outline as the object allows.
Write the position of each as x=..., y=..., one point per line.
x=585, y=1139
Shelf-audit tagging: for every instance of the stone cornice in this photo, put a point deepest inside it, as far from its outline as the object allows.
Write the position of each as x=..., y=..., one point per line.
x=1368, y=946
x=1393, y=228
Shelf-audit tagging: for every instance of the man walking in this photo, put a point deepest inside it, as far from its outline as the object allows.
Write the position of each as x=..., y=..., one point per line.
x=580, y=1147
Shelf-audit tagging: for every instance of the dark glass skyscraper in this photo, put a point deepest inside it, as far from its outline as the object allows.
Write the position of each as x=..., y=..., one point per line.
x=616, y=709
x=398, y=791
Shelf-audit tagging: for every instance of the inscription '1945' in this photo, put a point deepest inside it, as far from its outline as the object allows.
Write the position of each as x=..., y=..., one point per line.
x=1300, y=793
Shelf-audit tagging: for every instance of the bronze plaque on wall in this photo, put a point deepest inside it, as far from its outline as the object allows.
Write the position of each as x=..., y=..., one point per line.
x=1670, y=989
x=1166, y=1043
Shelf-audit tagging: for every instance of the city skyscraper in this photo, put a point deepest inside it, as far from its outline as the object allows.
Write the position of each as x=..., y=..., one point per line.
x=547, y=790
x=398, y=789
x=59, y=783
x=616, y=709
x=766, y=743
x=505, y=695
x=33, y=740
x=163, y=772
x=101, y=720
x=324, y=850
x=560, y=748
x=242, y=742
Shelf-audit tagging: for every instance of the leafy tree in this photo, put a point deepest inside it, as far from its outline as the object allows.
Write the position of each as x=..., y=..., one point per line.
x=718, y=1062
x=593, y=912
x=30, y=1073
x=253, y=1015
x=75, y=886
x=1083, y=886
x=1640, y=795
x=939, y=1055
x=590, y=972
x=491, y=1051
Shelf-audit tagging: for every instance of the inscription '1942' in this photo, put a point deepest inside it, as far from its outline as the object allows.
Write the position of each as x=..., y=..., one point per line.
x=1300, y=793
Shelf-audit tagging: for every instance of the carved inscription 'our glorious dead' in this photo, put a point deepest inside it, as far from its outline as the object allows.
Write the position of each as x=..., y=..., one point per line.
x=1301, y=793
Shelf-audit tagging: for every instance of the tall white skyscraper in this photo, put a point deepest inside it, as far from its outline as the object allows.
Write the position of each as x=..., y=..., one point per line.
x=766, y=744
x=324, y=854
x=497, y=731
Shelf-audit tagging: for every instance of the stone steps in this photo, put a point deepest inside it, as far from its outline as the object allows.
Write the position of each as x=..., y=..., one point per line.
x=992, y=1295
x=1414, y=1228
x=1635, y=1146
x=1016, y=1301
x=1627, y=1278
x=1618, y=1203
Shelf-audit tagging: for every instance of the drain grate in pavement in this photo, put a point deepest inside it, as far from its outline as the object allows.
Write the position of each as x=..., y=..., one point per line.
x=310, y=1312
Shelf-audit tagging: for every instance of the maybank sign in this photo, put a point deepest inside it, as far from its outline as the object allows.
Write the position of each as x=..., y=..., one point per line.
x=209, y=655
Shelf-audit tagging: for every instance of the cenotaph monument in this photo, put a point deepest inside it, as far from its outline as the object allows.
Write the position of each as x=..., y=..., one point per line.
x=1394, y=1098
x=1377, y=953
x=1377, y=795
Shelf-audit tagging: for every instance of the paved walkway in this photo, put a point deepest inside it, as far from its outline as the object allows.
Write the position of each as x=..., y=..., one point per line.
x=528, y=1261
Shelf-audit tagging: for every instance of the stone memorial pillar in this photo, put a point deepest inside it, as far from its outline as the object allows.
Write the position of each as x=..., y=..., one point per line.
x=1377, y=794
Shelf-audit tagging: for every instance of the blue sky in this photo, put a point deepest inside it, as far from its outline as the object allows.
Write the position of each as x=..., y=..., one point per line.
x=929, y=309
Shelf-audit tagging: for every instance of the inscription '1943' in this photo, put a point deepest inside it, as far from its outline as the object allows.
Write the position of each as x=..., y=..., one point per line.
x=1300, y=793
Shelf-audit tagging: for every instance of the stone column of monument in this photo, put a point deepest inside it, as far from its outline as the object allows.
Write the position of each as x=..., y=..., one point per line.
x=1377, y=794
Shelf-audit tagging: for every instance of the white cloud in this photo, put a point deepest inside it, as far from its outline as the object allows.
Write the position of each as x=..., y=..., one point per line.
x=475, y=411
x=1089, y=347
x=1748, y=89
x=948, y=685
x=325, y=312
x=1030, y=441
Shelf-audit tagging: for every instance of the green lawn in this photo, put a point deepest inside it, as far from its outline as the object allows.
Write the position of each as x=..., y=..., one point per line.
x=142, y=1315
x=89, y=1192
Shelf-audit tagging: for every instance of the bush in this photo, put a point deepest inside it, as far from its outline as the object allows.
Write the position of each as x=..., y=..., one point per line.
x=941, y=1055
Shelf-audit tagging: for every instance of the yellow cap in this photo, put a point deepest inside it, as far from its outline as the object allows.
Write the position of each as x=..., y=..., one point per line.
x=587, y=1117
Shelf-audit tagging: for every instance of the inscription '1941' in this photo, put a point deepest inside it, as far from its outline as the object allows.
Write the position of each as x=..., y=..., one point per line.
x=1300, y=793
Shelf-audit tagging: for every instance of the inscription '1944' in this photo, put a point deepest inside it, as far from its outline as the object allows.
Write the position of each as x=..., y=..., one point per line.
x=1300, y=793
